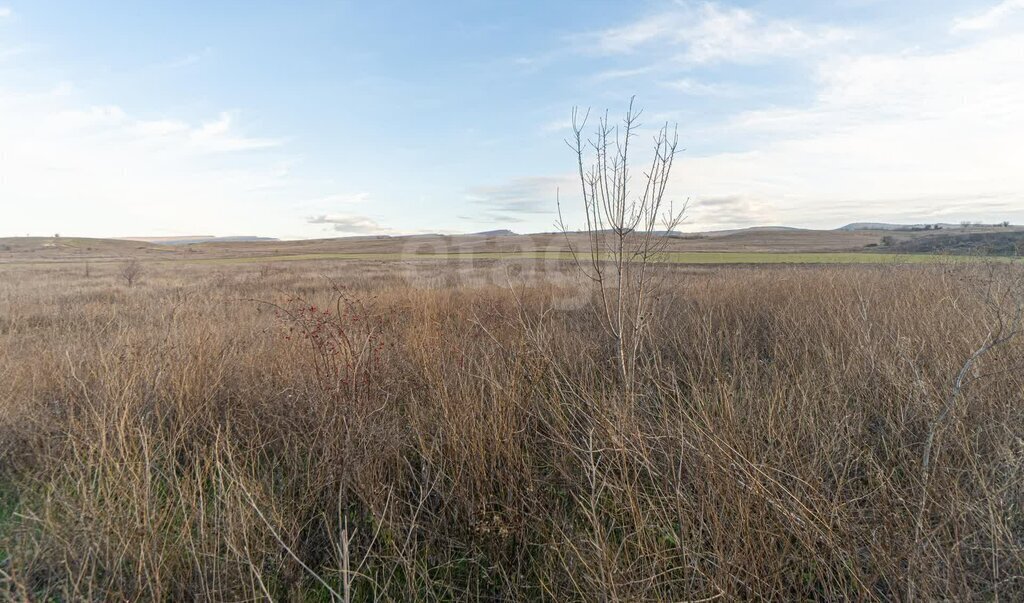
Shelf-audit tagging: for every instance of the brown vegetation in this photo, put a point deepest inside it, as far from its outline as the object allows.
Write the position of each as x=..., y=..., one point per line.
x=66, y=249
x=438, y=431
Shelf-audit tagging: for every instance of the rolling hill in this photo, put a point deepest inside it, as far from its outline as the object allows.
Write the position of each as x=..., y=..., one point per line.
x=772, y=239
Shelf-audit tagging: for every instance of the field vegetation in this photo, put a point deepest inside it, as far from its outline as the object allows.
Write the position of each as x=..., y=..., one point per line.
x=450, y=430
x=753, y=245
x=996, y=244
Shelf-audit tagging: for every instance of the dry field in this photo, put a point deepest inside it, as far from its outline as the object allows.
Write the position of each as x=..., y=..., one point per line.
x=752, y=242
x=438, y=431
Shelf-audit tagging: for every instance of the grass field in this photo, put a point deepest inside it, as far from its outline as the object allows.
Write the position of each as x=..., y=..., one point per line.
x=756, y=246
x=435, y=430
x=691, y=258
x=695, y=257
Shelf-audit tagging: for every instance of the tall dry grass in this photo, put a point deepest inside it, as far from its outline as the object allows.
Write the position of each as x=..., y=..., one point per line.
x=375, y=431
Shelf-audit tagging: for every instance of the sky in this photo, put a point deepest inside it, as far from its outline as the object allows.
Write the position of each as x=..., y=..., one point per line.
x=315, y=119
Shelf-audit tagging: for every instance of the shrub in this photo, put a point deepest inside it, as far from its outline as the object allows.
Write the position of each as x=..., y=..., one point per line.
x=131, y=271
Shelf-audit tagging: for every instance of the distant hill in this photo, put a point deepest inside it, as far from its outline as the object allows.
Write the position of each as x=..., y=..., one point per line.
x=888, y=226
x=858, y=237
x=188, y=240
x=749, y=229
x=496, y=233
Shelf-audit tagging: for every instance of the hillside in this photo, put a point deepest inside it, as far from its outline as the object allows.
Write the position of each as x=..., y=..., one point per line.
x=750, y=240
x=73, y=248
x=923, y=226
x=1008, y=243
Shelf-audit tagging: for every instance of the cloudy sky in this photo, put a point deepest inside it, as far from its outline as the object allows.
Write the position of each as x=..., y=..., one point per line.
x=311, y=119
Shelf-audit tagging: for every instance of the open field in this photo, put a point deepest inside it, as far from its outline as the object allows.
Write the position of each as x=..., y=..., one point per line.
x=678, y=301
x=756, y=246
x=674, y=257
x=240, y=429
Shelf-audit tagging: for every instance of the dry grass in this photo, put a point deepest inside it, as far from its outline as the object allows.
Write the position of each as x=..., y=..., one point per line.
x=439, y=435
x=23, y=250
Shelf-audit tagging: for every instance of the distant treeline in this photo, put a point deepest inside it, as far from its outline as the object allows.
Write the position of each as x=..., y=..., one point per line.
x=989, y=243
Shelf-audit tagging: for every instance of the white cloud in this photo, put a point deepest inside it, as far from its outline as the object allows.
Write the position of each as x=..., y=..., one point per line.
x=350, y=224
x=98, y=170
x=340, y=199
x=5, y=12
x=218, y=136
x=517, y=200
x=692, y=87
x=990, y=18
x=617, y=74
x=556, y=125
x=707, y=32
x=913, y=135
x=112, y=122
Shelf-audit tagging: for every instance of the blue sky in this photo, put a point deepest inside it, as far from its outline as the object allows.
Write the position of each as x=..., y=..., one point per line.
x=313, y=119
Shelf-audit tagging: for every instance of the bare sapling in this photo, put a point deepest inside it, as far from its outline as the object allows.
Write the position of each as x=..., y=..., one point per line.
x=628, y=227
x=131, y=271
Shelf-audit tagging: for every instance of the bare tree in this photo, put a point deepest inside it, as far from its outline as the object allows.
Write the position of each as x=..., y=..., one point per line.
x=131, y=271
x=627, y=226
